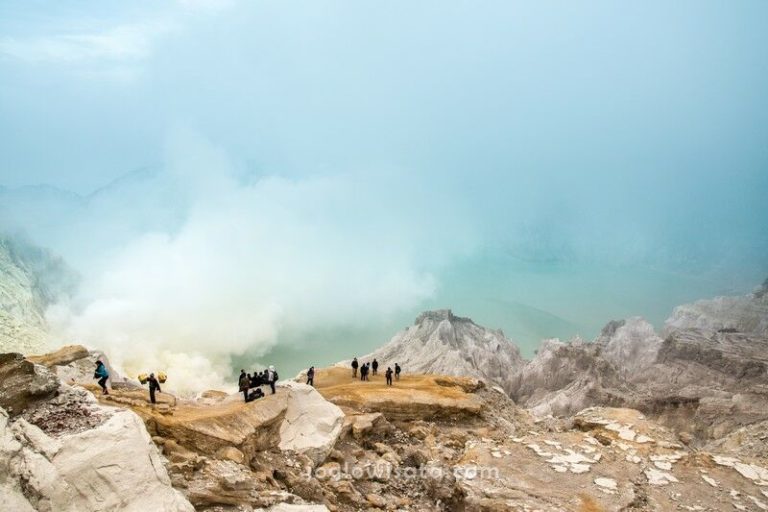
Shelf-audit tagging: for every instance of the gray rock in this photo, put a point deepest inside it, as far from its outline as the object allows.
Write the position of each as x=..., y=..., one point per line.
x=23, y=383
x=440, y=342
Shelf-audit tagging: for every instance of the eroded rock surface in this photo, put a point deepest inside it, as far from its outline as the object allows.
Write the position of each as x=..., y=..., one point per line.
x=440, y=342
x=113, y=466
x=23, y=383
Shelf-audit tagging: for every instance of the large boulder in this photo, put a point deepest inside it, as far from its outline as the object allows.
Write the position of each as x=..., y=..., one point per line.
x=113, y=466
x=23, y=383
x=311, y=425
x=209, y=429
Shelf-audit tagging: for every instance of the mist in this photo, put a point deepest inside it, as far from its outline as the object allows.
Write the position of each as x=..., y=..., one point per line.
x=241, y=183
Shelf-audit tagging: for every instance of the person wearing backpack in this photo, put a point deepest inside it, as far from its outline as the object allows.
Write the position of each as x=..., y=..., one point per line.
x=272, y=378
x=102, y=374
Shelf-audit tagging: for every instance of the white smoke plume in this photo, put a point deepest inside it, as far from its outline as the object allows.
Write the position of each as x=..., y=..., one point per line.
x=243, y=259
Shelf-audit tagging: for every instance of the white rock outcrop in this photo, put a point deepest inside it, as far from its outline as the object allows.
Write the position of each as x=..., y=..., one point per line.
x=114, y=466
x=311, y=424
x=441, y=343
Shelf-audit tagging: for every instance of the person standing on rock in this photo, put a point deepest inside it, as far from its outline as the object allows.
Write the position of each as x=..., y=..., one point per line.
x=272, y=377
x=102, y=374
x=154, y=385
x=375, y=366
x=397, y=371
x=388, y=375
x=354, y=368
x=311, y=376
x=244, y=384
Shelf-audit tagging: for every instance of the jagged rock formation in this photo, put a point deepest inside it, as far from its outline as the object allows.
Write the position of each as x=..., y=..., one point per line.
x=703, y=381
x=30, y=280
x=564, y=378
x=441, y=343
x=706, y=377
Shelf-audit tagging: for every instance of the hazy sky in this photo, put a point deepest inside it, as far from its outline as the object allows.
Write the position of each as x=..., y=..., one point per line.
x=374, y=158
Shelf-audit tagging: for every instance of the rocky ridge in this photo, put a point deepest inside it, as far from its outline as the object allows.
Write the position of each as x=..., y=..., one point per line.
x=701, y=381
x=442, y=343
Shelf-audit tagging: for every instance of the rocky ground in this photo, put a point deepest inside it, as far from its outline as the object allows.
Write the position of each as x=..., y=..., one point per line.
x=428, y=443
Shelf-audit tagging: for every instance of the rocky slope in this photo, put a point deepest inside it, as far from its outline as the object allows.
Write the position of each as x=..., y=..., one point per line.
x=30, y=280
x=706, y=378
x=441, y=343
x=428, y=443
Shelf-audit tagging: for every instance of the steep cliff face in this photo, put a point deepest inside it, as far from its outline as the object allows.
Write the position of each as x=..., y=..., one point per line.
x=30, y=280
x=440, y=342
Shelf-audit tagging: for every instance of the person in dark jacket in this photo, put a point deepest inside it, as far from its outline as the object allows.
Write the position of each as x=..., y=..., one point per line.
x=397, y=371
x=363, y=369
x=375, y=366
x=388, y=375
x=154, y=385
x=354, y=368
x=102, y=374
x=311, y=376
x=244, y=384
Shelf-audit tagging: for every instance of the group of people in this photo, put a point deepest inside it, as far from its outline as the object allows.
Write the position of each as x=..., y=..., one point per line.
x=373, y=367
x=247, y=382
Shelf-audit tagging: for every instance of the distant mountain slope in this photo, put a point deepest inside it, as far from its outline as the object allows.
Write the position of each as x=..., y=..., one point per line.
x=31, y=279
x=442, y=343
